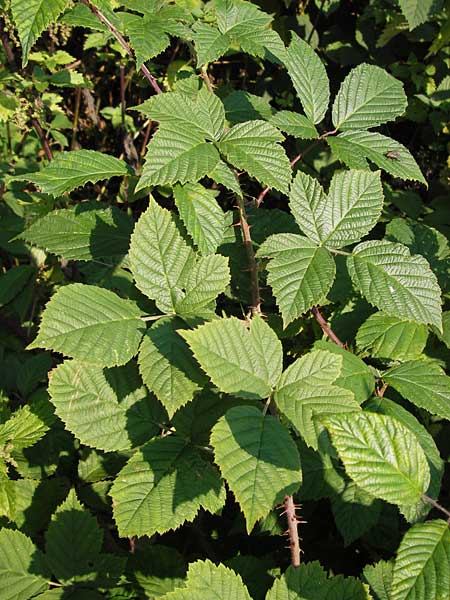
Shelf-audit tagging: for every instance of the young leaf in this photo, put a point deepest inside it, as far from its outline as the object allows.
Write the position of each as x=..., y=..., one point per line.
x=201, y=215
x=70, y=170
x=294, y=124
x=300, y=273
x=167, y=365
x=32, y=17
x=425, y=384
x=389, y=337
x=309, y=78
x=381, y=456
x=207, y=580
x=163, y=485
x=368, y=97
x=160, y=259
x=253, y=146
x=353, y=147
x=245, y=362
x=422, y=565
x=351, y=210
x=82, y=232
x=107, y=409
x=92, y=324
x=257, y=458
x=23, y=570
x=397, y=283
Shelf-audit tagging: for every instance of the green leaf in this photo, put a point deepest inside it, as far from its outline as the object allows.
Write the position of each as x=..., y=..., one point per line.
x=381, y=456
x=397, y=283
x=201, y=215
x=24, y=428
x=92, y=324
x=147, y=36
x=419, y=11
x=425, y=384
x=156, y=569
x=73, y=545
x=23, y=571
x=422, y=564
x=253, y=146
x=210, y=44
x=31, y=18
x=309, y=78
x=353, y=147
x=379, y=577
x=294, y=124
x=7, y=497
x=70, y=170
x=351, y=209
x=241, y=106
x=300, y=273
x=305, y=391
x=159, y=257
x=106, y=409
x=207, y=581
x=13, y=282
x=245, y=362
x=391, y=338
x=82, y=232
x=368, y=97
x=257, y=458
x=163, y=485
x=167, y=365
x=225, y=176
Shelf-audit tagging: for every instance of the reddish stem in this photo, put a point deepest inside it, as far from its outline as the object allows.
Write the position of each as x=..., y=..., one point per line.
x=42, y=138
x=326, y=328
x=294, y=540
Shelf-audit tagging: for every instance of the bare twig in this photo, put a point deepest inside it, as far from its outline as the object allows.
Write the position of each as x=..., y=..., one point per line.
x=206, y=78
x=42, y=138
x=436, y=505
x=326, y=328
x=122, y=41
x=252, y=264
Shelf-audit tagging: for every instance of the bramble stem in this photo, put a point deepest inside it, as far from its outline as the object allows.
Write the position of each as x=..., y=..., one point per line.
x=437, y=506
x=294, y=540
x=325, y=327
x=253, y=267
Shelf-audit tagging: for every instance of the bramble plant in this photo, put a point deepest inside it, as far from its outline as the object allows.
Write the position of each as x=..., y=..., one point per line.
x=223, y=300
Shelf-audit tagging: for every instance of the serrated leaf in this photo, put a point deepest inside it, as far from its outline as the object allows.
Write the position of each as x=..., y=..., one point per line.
x=23, y=429
x=225, y=176
x=159, y=257
x=294, y=124
x=210, y=44
x=379, y=577
x=70, y=170
x=207, y=581
x=348, y=213
x=245, y=362
x=32, y=17
x=381, y=456
x=147, y=36
x=106, y=409
x=353, y=147
x=309, y=78
x=257, y=458
x=390, y=337
x=23, y=570
x=368, y=97
x=425, y=384
x=306, y=391
x=163, y=485
x=201, y=215
x=167, y=365
x=7, y=497
x=419, y=11
x=157, y=569
x=73, y=545
x=299, y=272
x=397, y=283
x=82, y=232
x=253, y=146
x=92, y=324
x=241, y=106
x=13, y=282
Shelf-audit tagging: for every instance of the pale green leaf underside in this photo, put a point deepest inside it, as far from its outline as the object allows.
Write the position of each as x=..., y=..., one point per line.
x=32, y=17
x=422, y=565
x=368, y=97
x=108, y=409
x=239, y=361
x=390, y=337
x=382, y=457
x=397, y=283
x=163, y=485
x=424, y=384
x=299, y=272
x=351, y=209
x=354, y=147
x=70, y=170
x=253, y=146
x=309, y=78
x=207, y=581
x=257, y=458
x=91, y=324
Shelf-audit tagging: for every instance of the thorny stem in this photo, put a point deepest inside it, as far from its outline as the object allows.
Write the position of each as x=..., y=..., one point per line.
x=122, y=41
x=294, y=540
x=76, y=117
x=436, y=505
x=253, y=267
x=42, y=138
x=326, y=328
